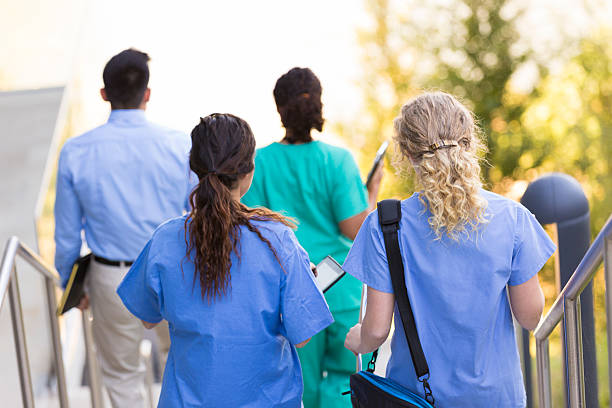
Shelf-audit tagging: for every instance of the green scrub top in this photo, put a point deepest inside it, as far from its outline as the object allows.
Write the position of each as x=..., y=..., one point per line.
x=319, y=185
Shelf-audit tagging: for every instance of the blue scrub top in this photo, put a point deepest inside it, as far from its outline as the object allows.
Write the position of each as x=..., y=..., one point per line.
x=458, y=295
x=237, y=350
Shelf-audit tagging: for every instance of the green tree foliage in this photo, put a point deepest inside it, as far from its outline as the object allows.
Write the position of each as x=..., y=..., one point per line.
x=468, y=48
x=474, y=50
x=570, y=124
x=386, y=86
x=477, y=66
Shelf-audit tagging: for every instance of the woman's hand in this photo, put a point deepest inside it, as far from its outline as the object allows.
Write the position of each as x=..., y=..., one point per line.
x=302, y=344
x=313, y=268
x=353, y=339
x=148, y=325
x=374, y=329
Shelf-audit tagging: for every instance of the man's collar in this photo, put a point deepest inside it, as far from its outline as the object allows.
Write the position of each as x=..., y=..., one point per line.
x=128, y=116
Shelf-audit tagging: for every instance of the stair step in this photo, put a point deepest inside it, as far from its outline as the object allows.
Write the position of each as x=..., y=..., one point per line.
x=80, y=397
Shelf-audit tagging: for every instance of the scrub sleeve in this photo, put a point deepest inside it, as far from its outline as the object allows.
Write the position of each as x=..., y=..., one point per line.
x=532, y=247
x=141, y=290
x=367, y=259
x=303, y=309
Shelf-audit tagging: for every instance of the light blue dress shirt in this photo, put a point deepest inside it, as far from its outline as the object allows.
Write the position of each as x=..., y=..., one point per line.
x=458, y=295
x=236, y=350
x=118, y=182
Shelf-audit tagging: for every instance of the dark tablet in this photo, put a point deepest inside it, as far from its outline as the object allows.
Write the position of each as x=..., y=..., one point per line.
x=329, y=272
x=380, y=154
x=75, y=289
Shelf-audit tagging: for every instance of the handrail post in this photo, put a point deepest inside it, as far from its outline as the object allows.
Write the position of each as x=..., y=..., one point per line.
x=608, y=275
x=523, y=341
x=8, y=260
x=575, y=365
x=543, y=362
x=57, y=343
x=559, y=199
x=25, y=378
x=95, y=386
x=145, y=354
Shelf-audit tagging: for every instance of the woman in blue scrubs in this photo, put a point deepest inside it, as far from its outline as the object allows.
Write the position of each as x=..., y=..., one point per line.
x=471, y=259
x=233, y=283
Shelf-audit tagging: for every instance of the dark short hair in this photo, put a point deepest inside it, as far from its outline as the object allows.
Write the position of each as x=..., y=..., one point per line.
x=126, y=77
x=298, y=99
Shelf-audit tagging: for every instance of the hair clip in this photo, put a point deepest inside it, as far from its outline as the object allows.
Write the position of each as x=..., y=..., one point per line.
x=437, y=146
x=441, y=145
x=210, y=173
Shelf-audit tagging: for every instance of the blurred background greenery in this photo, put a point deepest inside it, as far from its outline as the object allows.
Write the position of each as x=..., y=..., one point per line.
x=539, y=112
x=541, y=107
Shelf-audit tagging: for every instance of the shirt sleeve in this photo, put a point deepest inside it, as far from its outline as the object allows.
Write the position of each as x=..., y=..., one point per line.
x=191, y=178
x=140, y=291
x=192, y=183
x=348, y=195
x=532, y=247
x=367, y=259
x=304, y=310
x=68, y=221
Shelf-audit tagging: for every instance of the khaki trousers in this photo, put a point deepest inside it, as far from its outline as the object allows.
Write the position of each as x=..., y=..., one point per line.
x=163, y=342
x=117, y=334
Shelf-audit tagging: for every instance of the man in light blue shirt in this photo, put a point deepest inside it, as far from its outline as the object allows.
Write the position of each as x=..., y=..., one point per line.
x=118, y=182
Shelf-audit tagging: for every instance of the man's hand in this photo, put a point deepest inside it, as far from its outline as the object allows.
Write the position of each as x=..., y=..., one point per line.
x=84, y=303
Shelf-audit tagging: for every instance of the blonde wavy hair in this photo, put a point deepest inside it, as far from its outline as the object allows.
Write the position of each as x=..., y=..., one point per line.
x=439, y=137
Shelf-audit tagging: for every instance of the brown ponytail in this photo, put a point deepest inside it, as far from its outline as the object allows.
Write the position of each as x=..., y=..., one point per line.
x=222, y=152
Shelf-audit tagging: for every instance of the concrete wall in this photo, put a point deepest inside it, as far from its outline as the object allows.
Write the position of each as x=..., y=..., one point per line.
x=27, y=122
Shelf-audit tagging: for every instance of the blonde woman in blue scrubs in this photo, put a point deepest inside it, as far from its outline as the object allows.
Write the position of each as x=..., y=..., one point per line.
x=471, y=259
x=233, y=283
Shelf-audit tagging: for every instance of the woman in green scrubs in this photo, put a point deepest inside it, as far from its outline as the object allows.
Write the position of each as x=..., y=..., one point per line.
x=319, y=185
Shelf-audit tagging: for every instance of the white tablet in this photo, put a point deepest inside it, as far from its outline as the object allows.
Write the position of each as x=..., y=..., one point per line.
x=329, y=272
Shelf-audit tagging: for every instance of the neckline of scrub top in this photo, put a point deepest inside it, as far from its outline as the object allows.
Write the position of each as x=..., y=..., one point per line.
x=294, y=145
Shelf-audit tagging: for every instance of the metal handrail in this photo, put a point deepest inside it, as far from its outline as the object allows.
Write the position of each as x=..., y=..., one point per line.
x=567, y=307
x=8, y=283
x=146, y=348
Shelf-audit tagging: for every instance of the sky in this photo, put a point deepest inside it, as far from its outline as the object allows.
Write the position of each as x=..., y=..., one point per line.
x=209, y=56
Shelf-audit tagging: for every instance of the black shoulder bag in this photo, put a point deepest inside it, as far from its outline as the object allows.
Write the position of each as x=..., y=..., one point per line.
x=367, y=389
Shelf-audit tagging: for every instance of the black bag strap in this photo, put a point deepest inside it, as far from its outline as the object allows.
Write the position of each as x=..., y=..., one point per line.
x=389, y=216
